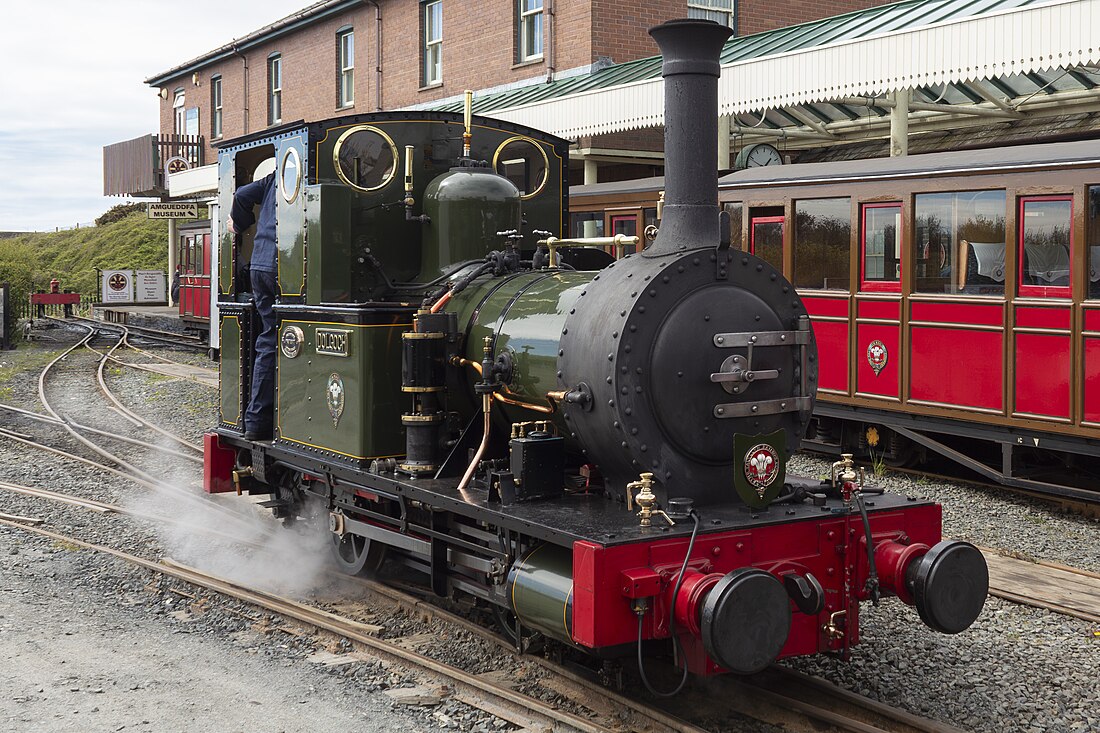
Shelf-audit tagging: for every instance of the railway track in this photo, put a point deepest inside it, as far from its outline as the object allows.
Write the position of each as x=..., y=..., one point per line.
x=830, y=708
x=151, y=334
x=805, y=704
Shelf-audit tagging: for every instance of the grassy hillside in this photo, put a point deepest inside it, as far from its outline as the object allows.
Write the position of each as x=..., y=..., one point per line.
x=131, y=242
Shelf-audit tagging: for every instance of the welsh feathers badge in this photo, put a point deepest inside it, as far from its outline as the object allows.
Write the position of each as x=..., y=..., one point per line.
x=759, y=467
x=877, y=356
x=335, y=396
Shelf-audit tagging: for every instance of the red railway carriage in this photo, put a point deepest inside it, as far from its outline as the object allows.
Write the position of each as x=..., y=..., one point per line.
x=193, y=249
x=954, y=296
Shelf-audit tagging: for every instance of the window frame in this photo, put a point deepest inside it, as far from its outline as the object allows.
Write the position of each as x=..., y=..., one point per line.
x=796, y=241
x=428, y=46
x=704, y=9
x=1092, y=231
x=881, y=286
x=1041, y=291
x=216, y=113
x=523, y=17
x=274, y=89
x=345, y=69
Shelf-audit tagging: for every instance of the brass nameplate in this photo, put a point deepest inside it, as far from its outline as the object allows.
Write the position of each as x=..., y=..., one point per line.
x=331, y=341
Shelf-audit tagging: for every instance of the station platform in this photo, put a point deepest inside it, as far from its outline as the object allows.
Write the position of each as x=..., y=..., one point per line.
x=160, y=316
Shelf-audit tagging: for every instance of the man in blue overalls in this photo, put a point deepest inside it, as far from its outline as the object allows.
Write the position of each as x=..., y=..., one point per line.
x=258, y=417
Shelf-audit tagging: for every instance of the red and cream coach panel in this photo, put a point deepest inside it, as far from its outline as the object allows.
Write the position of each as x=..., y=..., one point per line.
x=969, y=302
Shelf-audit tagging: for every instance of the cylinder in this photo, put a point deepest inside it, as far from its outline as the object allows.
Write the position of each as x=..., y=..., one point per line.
x=540, y=585
x=691, y=50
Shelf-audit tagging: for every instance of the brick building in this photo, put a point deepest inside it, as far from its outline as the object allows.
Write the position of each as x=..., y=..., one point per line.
x=343, y=56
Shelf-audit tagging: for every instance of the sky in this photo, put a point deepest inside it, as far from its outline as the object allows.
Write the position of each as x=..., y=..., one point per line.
x=72, y=82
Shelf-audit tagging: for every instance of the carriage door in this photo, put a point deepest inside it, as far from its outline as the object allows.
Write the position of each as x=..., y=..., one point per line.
x=766, y=239
x=627, y=225
x=186, y=257
x=878, y=303
x=201, y=302
x=1043, y=363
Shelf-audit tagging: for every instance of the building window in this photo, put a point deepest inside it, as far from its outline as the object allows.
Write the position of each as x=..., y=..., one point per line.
x=433, y=42
x=179, y=113
x=529, y=29
x=720, y=11
x=274, y=89
x=216, y=107
x=345, y=77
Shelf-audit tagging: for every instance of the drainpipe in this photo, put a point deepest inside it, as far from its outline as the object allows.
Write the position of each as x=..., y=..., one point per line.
x=245, y=85
x=377, y=54
x=549, y=41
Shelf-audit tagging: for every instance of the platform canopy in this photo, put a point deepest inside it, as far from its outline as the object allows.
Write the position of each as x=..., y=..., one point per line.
x=953, y=63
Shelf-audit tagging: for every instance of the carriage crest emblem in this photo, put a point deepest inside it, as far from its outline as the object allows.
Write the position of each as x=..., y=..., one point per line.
x=334, y=395
x=877, y=356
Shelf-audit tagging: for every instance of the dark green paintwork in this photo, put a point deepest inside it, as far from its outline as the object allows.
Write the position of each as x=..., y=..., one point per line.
x=225, y=205
x=290, y=226
x=467, y=207
x=530, y=328
x=328, y=230
x=230, y=372
x=541, y=586
x=332, y=241
x=370, y=426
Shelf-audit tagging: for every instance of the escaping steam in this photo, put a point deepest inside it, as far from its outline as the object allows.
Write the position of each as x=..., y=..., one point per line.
x=235, y=539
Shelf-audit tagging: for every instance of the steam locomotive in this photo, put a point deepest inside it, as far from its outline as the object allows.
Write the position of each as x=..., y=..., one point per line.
x=595, y=448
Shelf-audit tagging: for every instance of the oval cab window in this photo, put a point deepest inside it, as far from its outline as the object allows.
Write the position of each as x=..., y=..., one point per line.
x=290, y=177
x=365, y=158
x=523, y=161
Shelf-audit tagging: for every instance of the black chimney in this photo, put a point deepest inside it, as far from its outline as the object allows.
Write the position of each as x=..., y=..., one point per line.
x=691, y=50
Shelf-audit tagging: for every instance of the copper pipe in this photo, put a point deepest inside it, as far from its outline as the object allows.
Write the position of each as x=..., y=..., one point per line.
x=441, y=302
x=486, y=405
x=549, y=410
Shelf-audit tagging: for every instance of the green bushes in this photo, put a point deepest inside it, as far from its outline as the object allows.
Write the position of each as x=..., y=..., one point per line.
x=128, y=241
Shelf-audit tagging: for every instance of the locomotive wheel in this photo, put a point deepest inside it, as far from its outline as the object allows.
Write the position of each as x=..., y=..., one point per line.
x=357, y=555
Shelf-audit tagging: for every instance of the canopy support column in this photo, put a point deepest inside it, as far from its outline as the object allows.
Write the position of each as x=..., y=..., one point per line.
x=899, y=123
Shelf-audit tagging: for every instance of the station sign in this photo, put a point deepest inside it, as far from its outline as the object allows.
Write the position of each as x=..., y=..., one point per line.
x=173, y=210
x=117, y=286
x=149, y=286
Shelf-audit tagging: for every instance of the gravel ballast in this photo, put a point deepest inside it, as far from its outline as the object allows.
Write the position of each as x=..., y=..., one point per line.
x=1017, y=669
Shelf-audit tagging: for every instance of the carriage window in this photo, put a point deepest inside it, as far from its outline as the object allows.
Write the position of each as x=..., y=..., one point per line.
x=1045, y=245
x=881, y=248
x=586, y=224
x=822, y=237
x=1094, y=242
x=734, y=210
x=959, y=247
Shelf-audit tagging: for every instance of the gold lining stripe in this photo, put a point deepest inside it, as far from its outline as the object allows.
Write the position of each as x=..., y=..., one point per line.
x=220, y=372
